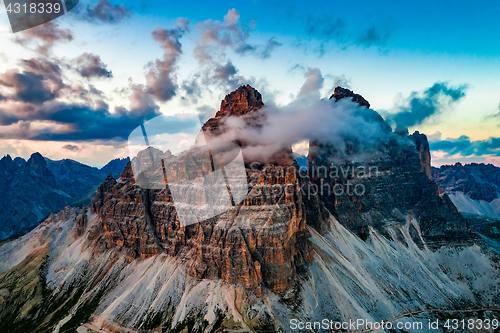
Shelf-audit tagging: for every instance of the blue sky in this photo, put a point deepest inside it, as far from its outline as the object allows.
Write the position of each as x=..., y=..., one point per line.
x=390, y=52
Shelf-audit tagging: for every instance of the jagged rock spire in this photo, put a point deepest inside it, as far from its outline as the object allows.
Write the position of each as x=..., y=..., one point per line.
x=240, y=102
x=243, y=100
x=341, y=93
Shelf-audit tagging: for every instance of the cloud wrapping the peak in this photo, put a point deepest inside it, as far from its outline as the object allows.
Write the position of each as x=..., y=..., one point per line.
x=304, y=119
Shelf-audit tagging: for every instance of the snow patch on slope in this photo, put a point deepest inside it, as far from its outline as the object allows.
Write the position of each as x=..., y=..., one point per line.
x=465, y=204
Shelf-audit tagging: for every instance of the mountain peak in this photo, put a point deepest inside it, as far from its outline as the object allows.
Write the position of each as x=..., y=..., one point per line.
x=36, y=161
x=7, y=164
x=242, y=101
x=20, y=161
x=341, y=93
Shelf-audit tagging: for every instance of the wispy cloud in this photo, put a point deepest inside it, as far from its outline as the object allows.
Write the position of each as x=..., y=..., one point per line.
x=313, y=84
x=107, y=12
x=420, y=106
x=464, y=146
x=332, y=31
x=91, y=66
x=45, y=36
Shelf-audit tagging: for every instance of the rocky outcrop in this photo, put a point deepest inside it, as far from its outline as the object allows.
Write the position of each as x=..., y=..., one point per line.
x=341, y=93
x=422, y=145
x=241, y=102
x=260, y=243
x=263, y=242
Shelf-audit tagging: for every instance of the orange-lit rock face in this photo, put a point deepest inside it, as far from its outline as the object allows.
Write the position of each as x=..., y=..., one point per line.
x=262, y=242
x=240, y=102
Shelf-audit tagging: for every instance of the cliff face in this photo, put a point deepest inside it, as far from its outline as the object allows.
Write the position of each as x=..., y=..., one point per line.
x=422, y=145
x=392, y=178
x=262, y=242
x=341, y=93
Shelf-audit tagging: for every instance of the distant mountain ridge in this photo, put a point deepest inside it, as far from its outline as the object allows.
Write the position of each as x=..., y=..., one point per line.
x=34, y=189
x=115, y=167
x=474, y=188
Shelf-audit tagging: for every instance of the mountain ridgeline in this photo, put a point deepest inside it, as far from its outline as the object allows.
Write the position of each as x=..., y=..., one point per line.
x=474, y=188
x=36, y=188
x=379, y=242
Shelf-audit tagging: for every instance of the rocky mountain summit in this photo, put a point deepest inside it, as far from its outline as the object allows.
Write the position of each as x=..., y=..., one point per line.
x=268, y=252
x=242, y=102
x=287, y=251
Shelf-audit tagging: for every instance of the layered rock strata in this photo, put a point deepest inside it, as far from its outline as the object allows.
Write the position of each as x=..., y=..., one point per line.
x=383, y=183
x=262, y=242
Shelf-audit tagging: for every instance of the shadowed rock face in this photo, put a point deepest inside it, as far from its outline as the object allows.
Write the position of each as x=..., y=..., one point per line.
x=392, y=177
x=261, y=242
x=422, y=145
x=35, y=188
x=30, y=193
